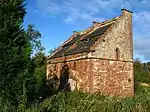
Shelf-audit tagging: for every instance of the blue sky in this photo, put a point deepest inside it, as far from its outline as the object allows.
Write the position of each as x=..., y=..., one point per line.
x=57, y=19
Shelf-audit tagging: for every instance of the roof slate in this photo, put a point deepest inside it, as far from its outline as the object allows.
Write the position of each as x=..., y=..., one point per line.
x=82, y=44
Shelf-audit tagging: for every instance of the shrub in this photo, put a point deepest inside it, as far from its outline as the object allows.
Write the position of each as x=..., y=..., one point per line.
x=84, y=102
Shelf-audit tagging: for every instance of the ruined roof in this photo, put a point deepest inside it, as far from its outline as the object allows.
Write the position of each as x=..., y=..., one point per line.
x=82, y=42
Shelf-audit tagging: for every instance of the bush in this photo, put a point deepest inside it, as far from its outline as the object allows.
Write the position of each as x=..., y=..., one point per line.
x=84, y=102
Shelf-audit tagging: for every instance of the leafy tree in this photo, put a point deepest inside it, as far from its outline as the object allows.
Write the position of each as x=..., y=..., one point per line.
x=39, y=61
x=37, y=64
x=35, y=39
x=14, y=50
x=23, y=101
x=21, y=76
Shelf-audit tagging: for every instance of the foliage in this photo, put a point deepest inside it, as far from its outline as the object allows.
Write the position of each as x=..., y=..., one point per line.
x=23, y=101
x=16, y=64
x=35, y=39
x=141, y=76
x=53, y=84
x=39, y=63
x=13, y=49
x=141, y=89
x=39, y=74
x=36, y=65
x=84, y=102
x=31, y=86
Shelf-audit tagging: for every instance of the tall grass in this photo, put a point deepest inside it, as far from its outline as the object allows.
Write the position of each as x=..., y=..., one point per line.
x=84, y=102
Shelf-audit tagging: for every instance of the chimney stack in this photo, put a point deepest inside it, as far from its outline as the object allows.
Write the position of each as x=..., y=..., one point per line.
x=125, y=11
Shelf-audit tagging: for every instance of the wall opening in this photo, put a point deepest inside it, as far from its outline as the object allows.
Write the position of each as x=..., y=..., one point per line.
x=74, y=65
x=129, y=80
x=117, y=54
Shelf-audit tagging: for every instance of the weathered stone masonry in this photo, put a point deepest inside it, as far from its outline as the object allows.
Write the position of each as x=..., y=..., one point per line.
x=98, y=59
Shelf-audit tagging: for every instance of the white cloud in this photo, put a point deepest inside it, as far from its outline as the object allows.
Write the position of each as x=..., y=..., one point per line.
x=141, y=23
x=81, y=9
x=48, y=6
x=75, y=10
x=141, y=47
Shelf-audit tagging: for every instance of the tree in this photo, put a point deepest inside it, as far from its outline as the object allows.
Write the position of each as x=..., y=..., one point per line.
x=35, y=39
x=21, y=76
x=36, y=65
x=14, y=49
x=39, y=61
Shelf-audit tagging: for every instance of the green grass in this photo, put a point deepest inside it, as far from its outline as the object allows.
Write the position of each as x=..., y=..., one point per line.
x=84, y=102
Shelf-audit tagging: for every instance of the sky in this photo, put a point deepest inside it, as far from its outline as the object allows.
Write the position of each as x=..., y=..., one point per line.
x=57, y=19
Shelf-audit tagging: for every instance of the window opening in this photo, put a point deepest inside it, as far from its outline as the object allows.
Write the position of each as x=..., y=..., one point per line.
x=117, y=53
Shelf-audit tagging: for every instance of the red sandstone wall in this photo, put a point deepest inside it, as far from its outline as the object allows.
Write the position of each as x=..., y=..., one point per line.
x=111, y=74
x=113, y=77
x=81, y=73
x=99, y=76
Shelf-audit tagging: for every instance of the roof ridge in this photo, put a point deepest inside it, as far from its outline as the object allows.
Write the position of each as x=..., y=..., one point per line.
x=110, y=20
x=86, y=30
x=106, y=22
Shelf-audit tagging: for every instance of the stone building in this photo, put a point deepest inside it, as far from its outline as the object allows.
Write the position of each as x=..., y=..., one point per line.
x=98, y=59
